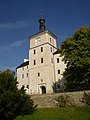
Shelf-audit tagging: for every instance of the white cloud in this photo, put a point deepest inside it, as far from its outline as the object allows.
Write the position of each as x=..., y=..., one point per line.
x=14, y=25
x=17, y=43
x=7, y=52
x=7, y=48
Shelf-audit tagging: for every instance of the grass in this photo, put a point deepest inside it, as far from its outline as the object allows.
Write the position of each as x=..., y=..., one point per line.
x=71, y=113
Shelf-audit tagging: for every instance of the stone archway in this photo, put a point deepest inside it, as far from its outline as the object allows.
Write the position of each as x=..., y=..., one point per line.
x=43, y=88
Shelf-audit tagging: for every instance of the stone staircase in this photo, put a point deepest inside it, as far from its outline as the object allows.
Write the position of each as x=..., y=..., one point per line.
x=45, y=100
x=49, y=100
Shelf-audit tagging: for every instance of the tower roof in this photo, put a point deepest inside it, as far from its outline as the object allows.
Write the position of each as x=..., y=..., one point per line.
x=42, y=24
x=42, y=29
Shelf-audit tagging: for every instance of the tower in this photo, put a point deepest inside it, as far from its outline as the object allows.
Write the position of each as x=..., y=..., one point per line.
x=41, y=67
x=43, y=71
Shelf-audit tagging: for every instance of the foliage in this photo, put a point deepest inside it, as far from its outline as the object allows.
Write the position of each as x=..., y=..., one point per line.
x=62, y=100
x=86, y=98
x=13, y=102
x=68, y=113
x=76, y=54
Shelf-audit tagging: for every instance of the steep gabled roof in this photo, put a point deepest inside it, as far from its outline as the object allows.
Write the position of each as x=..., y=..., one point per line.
x=23, y=64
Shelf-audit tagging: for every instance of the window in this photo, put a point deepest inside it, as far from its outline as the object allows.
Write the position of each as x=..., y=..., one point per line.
x=58, y=86
x=41, y=60
x=41, y=49
x=51, y=60
x=38, y=74
x=41, y=80
x=27, y=74
x=34, y=51
x=57, y=60
x=51, y=49
x=50, y=39
x=28, y=86
x=58, y=71
x=22, y=76
x=34, y=62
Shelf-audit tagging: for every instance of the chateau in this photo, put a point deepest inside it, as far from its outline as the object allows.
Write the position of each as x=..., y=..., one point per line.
x=42, y=72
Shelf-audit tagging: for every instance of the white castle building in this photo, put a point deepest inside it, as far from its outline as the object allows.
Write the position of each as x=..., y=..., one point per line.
x=42, y=72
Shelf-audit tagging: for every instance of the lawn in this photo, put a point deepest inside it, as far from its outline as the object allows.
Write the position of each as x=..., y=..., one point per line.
x=71, y=113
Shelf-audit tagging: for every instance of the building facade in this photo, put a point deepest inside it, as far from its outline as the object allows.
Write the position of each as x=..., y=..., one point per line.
x=42, y=72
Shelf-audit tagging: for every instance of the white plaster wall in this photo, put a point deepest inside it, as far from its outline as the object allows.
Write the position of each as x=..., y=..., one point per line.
x=46, y=69
x=23, y=81
x=59, y=66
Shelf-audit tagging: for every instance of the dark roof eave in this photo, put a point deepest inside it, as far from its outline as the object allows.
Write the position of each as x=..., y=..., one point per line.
x=43, y=32
x=23, y=64
x=56, y=52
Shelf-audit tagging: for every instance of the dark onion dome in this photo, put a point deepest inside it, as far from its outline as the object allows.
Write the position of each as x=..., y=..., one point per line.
x=42, y=24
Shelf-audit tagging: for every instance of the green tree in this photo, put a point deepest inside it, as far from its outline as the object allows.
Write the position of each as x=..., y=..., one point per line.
x=13, y=102
x=76, y=54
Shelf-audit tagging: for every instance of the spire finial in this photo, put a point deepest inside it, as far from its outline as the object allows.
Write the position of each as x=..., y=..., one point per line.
x=41, y=15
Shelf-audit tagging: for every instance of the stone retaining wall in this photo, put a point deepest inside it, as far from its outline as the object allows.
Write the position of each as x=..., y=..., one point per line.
x=49, y=100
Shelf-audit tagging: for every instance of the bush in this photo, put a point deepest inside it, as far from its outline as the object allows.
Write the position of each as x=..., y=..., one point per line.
x=86, y=98
x=62, y=100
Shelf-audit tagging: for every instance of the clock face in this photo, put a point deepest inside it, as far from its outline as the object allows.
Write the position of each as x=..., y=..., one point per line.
x=37, y=41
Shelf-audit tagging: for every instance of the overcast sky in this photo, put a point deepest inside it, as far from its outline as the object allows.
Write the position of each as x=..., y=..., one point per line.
x=19, y=20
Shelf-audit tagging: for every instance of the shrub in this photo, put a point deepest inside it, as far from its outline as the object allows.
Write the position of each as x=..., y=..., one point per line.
x=62, y=100
x=86, y=98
